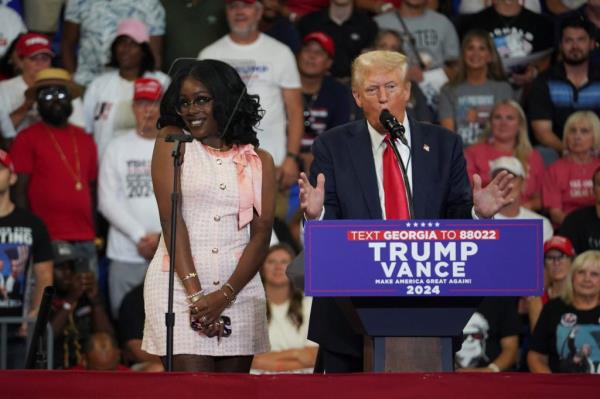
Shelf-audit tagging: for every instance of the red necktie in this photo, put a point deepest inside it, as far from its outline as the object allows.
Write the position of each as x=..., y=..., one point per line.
x=396, y=202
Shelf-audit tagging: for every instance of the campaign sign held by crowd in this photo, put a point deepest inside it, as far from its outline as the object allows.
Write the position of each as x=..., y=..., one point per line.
x=424, y=258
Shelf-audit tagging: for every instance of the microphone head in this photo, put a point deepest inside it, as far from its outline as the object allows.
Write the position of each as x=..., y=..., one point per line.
x=387, y=119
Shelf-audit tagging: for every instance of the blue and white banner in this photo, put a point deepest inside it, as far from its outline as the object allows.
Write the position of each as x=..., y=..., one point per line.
x=424, y=258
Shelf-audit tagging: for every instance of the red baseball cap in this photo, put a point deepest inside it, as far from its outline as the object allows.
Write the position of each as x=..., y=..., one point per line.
x=6, y=160
x=563, y=244
x=30, y=44
x=147, y=89
x=323, y=39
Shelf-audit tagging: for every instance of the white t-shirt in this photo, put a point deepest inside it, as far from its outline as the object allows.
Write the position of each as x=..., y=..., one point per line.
x=12, y=96
x=525, y=213
x=284, y=335
x=266, y=66
x=107, y=105
x=436, y=39
x=126, y=196
x=11, y=25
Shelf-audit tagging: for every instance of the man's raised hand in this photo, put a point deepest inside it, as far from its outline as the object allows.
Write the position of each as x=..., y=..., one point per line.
x=312, y=198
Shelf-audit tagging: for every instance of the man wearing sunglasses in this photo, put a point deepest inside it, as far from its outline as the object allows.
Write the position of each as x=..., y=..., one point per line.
x=32, y=54
x=56, y=164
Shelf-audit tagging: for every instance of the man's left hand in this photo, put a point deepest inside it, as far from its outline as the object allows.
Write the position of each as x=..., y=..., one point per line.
x=489, y=200
x=288, y=173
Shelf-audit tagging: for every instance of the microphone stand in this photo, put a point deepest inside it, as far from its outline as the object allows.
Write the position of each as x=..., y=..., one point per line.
x=177, y=139
x=36, y=357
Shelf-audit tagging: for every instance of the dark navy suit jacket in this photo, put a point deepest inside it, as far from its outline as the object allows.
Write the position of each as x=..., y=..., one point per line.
x=344, y=155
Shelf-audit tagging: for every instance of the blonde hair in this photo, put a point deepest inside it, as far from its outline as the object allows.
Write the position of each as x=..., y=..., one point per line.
x=523, y=146
x=494, y=70
x=387, y=60
x=579, y=116
x=583, y=260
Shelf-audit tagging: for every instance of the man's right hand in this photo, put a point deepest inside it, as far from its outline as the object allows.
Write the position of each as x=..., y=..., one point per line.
x=147, y=245
x=312, y=198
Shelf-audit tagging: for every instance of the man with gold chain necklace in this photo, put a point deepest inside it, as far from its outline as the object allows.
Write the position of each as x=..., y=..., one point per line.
x=56, y=163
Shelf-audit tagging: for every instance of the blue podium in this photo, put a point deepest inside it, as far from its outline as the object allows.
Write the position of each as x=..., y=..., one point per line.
x=411, y=286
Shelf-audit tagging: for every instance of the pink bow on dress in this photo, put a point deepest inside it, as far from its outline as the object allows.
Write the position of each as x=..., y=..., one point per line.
x=249, y=175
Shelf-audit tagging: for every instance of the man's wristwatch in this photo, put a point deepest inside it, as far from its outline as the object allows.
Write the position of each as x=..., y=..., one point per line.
x=385, y=7
x=295, y=157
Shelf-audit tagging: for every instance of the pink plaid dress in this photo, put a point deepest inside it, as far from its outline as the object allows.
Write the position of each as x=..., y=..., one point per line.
x=217, y=190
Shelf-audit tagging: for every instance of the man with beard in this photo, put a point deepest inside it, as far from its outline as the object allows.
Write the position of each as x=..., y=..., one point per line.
x=569, y=86
x=33, y=53
x=268, y=69
x=56, y=163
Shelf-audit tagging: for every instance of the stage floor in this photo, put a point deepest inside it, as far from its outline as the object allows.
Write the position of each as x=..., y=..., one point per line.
x=82, y=384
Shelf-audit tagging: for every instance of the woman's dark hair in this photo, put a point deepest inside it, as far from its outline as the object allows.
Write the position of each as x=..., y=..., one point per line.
x=146, y=64
x=7, y=67
x=233, y=107
x=295, y=311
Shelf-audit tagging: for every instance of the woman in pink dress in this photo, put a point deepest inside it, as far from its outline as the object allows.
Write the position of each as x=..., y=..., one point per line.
x=568, y=183
x=507, y=136
x=224, y=224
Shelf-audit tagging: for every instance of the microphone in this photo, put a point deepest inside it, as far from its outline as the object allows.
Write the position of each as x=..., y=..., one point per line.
x=181, y=137
x=391, y=124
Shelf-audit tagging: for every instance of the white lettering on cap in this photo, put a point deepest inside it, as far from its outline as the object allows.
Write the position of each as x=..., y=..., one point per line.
x=36, y=40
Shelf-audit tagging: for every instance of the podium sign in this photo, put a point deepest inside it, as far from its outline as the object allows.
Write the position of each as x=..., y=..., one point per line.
x=348, y=258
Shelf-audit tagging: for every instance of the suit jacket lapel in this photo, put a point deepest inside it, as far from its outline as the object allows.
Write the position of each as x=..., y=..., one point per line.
x=419, y=168
x=360, y=148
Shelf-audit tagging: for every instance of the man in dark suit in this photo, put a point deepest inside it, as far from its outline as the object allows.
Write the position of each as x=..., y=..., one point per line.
x=348, y=183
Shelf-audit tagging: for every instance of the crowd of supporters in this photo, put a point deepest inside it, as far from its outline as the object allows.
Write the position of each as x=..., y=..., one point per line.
x=80, y=86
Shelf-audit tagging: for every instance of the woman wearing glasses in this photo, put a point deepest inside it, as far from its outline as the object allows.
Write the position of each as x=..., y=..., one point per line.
x=558, y=255
x=223, y=228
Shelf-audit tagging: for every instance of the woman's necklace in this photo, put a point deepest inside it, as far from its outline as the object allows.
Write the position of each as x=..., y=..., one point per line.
x=218, y=149
x=76, y=174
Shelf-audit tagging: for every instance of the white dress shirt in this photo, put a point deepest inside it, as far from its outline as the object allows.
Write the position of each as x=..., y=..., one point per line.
x=378, y=146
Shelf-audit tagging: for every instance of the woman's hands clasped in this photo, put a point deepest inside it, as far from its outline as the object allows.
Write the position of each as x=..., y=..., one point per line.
x=205, y=314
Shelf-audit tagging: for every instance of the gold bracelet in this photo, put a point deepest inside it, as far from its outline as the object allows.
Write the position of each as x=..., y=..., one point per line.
x=189, y=276
x=195, y=298
x=230, y=299
x=197, y=293
x=230, y=287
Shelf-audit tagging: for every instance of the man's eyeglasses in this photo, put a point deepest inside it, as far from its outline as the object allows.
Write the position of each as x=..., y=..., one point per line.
x=53, y=93
x=184, y=105
x=557, y=258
